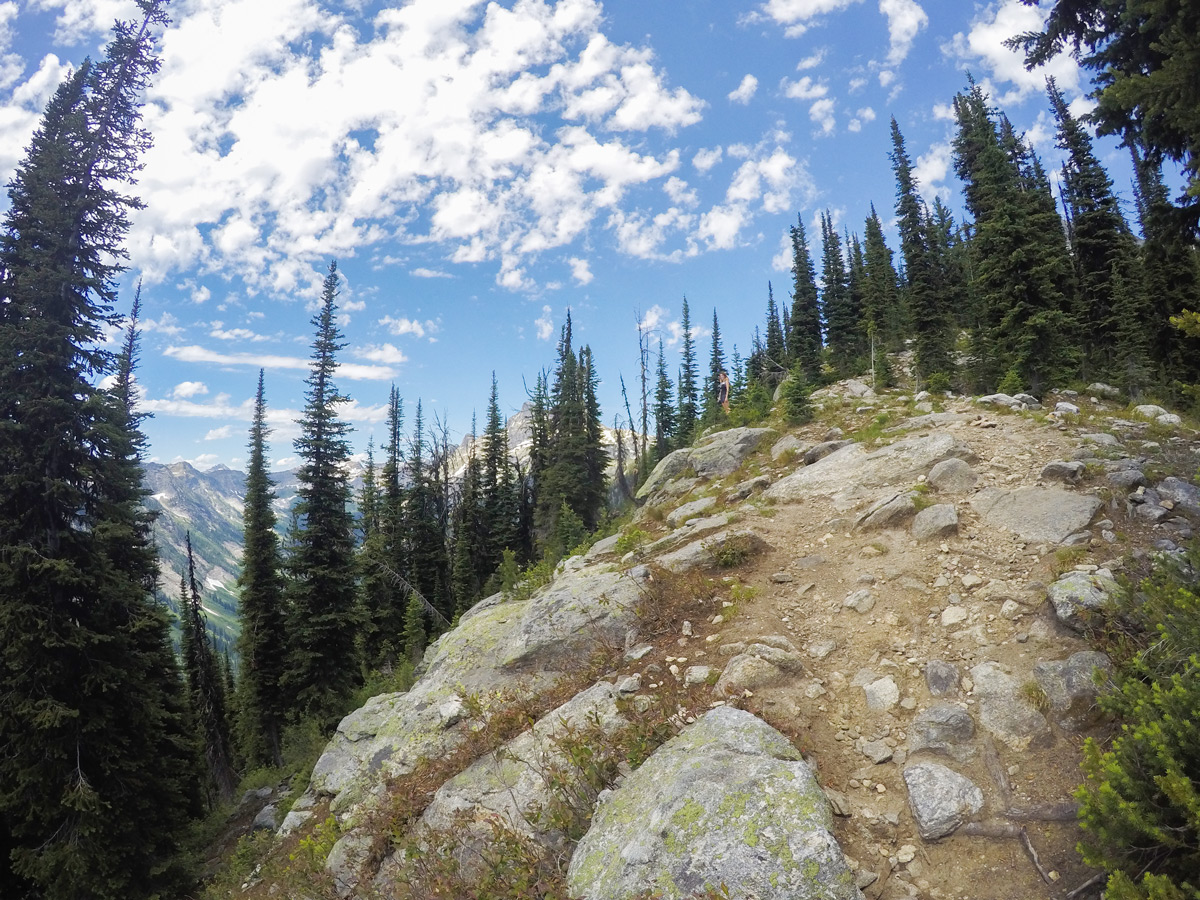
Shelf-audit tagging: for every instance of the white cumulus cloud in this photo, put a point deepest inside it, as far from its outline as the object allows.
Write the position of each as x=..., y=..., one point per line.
x=744, y=91
x=905, y=19
x=545, y=324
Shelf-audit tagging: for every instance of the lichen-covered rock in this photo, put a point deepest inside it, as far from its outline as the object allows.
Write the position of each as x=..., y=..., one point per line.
x=853, y=469
x=521, y=646
x=690, y=510
x=510, y=786
x=940, y=799
x=728, y=801
x=1076, y=595
x=1036, y=514
x=1071, y=688
x=723, y=453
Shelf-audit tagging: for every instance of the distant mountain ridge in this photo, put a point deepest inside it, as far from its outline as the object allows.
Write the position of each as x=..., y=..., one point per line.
x=208, y=503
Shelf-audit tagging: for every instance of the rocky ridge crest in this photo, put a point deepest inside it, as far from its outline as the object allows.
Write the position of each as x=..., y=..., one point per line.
x=885, y=652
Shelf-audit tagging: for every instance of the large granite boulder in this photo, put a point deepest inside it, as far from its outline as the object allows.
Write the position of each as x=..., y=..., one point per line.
x=1035, y=513
x=722, y=549
x=728, y=801
x=669, y=467
x=723, y=453
x=853, y=470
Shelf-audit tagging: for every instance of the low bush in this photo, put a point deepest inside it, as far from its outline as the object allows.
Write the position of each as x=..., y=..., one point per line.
x=1140, y=803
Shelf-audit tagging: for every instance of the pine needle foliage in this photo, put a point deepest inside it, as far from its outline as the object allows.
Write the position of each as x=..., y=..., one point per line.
x=1140, y=803
x=97, y=763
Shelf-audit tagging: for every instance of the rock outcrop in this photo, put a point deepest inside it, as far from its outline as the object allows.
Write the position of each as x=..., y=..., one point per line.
x=900, y=608
x=729, y=801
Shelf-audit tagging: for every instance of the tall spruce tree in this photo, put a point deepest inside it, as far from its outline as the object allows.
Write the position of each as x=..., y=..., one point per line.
x=716, y=365
x=572, y=476
x=1142, y=58
x=468, y=562
x=425, y=537
x=206, y=686
x=1170, y=276
x=97, y=766
x=1021, y=269
x=928, y=312
x=322, y=594
x=497, y=487
x=664, y=409
x=688, y=392
x=840, y=320
x=1102, y=247
x=775, y=347
x=882, y=314
x=804, y=326
x=262, y=641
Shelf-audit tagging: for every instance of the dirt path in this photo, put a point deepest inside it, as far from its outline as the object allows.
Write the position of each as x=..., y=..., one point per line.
x=816, y=558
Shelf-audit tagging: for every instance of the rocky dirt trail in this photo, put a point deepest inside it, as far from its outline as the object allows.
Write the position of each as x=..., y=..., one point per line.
x=883, y=683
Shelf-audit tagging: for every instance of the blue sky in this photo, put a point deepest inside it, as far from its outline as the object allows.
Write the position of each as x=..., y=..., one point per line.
x=477, y=169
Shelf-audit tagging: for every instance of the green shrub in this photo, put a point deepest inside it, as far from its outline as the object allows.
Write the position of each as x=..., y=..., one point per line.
x=1140, y=803
x=796, y=408
x=1011, y=383
x=938, y=383
x=631, y=540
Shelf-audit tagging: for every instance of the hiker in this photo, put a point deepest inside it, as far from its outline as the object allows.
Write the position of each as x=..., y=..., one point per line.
x=723, y=390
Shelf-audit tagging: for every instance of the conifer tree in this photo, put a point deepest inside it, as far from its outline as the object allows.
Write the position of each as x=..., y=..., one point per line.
x=1021, y=267
x=497, y=488
x=688, y=393
x=664, y=409
x=882, y=315
x=262, y=642
x=1170, y=275
x=776, y=351
x=470, y=537
x=928, y=312
x=804, y=325
x=716, y=365
x=428, y=562
x=97, y=768
x=322, y=592
x=841, y=323
x=205, y=685
x=572, y=476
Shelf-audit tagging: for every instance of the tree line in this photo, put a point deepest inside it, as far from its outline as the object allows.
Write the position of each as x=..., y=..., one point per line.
x=112, y=742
